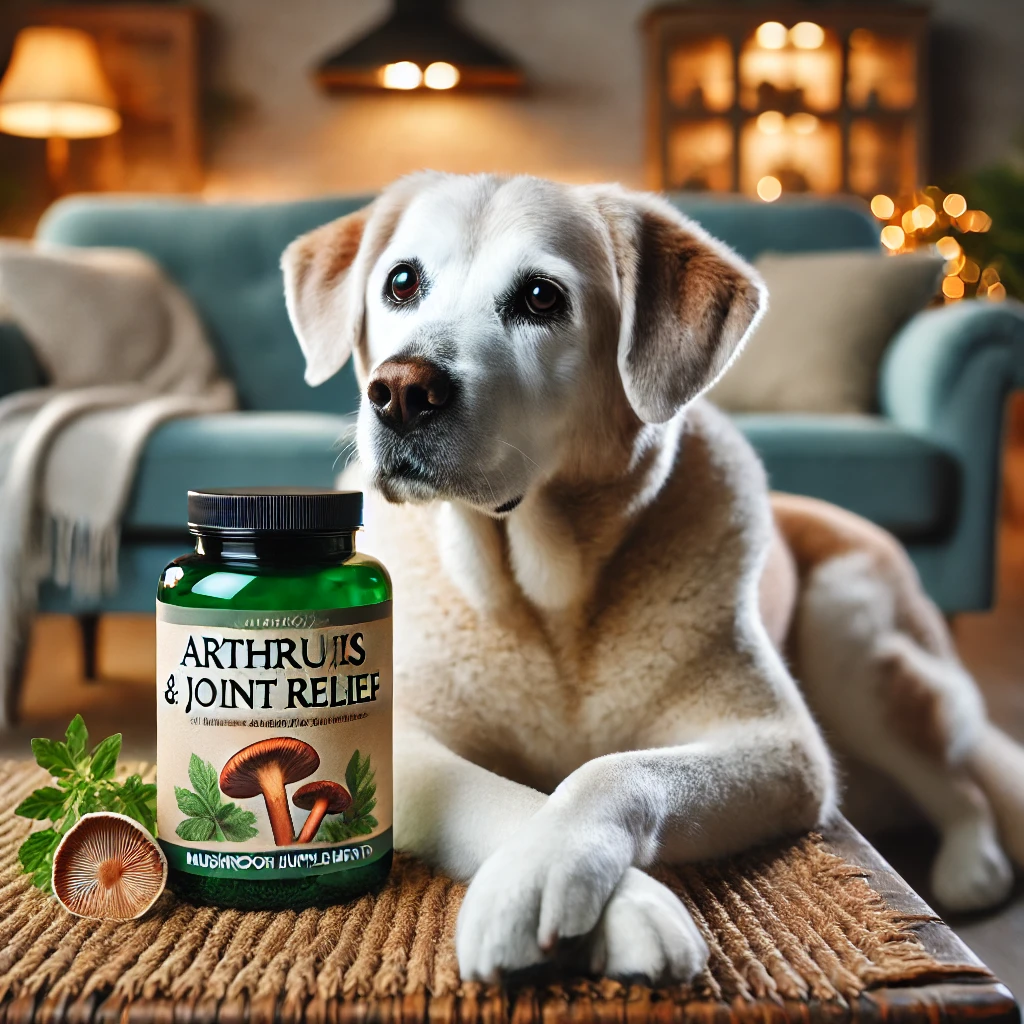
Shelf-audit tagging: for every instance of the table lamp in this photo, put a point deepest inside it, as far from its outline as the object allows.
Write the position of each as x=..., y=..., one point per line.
x=55, y=89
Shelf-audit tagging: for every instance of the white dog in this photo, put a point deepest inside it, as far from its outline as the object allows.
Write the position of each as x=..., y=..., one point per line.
x=591, y=591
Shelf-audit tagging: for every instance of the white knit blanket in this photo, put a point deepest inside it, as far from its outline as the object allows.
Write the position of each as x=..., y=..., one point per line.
x=124, y=351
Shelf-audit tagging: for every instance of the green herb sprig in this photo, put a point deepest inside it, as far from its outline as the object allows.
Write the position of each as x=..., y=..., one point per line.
x=357, y=820
x=208, y=815
x=83, y=782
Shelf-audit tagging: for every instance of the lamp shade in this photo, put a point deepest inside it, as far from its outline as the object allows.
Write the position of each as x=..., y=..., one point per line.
x=419, y=44
x=55, y=87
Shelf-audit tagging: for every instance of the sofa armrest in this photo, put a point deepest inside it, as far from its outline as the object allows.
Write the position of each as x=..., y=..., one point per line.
x=941, y=356
x=946, y=376
x=19, y=368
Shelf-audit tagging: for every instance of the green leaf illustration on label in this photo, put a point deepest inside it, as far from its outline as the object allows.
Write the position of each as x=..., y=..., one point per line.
x=208, y=817
x=357, y=820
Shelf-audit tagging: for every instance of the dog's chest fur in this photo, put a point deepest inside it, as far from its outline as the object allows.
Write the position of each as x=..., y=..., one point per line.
x=533, y=694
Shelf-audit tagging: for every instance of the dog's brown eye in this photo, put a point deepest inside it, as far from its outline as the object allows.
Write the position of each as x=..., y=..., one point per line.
x=403, y=282
x=542, y=297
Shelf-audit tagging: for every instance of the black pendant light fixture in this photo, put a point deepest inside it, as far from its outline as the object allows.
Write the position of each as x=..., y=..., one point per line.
x=419, y=46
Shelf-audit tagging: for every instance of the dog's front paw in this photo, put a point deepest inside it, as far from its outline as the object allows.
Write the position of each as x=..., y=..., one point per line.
x=646, y=932
x=549, y=883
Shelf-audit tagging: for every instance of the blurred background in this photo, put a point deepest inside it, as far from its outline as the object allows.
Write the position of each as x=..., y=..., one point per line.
x=881, y=135
x=220, y=98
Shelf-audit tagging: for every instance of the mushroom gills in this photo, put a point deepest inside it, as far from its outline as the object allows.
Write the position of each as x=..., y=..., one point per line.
x=108, y=867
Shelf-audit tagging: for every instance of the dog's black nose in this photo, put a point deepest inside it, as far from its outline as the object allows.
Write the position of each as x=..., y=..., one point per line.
x=404, y=391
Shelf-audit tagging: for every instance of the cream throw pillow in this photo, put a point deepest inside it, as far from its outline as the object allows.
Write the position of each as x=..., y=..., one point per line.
x=830, y=317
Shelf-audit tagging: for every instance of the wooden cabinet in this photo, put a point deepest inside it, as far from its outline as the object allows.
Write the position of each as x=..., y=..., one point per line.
x=775, y=100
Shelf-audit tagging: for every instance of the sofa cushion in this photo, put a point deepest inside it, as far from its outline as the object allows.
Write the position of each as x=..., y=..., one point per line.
x=241, y=449
x=830, y=317
x=899, y=480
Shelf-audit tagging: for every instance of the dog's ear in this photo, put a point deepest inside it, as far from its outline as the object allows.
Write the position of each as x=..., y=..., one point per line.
x=688, y=303
x=323, y=295
x=325, y=275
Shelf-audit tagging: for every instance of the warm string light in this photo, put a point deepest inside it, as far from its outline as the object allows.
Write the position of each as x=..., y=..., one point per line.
x=882, y=207
x=929, y=218
x=769, y=188
x=893, y=237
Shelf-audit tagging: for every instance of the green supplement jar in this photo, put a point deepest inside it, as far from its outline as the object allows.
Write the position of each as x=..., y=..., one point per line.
x=274, y=703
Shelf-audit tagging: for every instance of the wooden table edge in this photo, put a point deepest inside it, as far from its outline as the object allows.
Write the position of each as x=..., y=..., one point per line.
x=966, y=997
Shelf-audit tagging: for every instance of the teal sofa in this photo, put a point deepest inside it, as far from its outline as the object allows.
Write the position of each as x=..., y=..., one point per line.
x=926, y=465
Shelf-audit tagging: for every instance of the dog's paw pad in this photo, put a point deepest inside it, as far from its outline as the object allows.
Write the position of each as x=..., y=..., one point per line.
x=971, y=872
x=646, y=932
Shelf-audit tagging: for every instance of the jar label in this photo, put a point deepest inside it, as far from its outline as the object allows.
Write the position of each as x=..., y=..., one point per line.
x=273, y=740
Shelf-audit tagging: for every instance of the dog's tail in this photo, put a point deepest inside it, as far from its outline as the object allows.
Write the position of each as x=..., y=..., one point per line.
x=997, y=765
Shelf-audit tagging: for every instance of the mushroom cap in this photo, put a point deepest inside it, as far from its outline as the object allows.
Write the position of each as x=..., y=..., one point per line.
x=108, y=867
x=240, y=777
x=337, y=796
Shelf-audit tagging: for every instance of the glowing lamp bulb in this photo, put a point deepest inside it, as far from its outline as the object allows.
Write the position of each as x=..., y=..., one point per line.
x=806, y=35
x=803, y=123
x=402, y=75
x=769, y=188
x=771, y=35
x=441, y=75
x=771, y=122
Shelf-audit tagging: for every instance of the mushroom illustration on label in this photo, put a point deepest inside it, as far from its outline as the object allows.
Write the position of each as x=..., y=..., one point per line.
x=264, y=769
x=108, y=867
x=320, y=799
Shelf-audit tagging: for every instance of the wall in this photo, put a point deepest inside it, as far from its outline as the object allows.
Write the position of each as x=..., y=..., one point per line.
x=977, y=79
x=278, y=136
x=583, y=119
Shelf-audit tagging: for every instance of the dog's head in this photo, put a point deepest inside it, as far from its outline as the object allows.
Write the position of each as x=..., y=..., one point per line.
x=494, y=322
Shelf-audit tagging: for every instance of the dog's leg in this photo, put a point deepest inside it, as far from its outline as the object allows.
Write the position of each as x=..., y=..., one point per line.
x=455, y=815
x=997, y=764
x=448, y=811
x=910, y=712
x=970, y=871
x=568, y=869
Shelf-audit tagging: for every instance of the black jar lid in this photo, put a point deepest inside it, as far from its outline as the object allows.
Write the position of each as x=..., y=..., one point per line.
x=276, y=509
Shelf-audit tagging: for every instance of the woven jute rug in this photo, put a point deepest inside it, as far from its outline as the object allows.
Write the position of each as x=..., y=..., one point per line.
x=793, y=923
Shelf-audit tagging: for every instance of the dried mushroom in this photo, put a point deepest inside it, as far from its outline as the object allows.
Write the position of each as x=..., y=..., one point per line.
x=108, y=867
